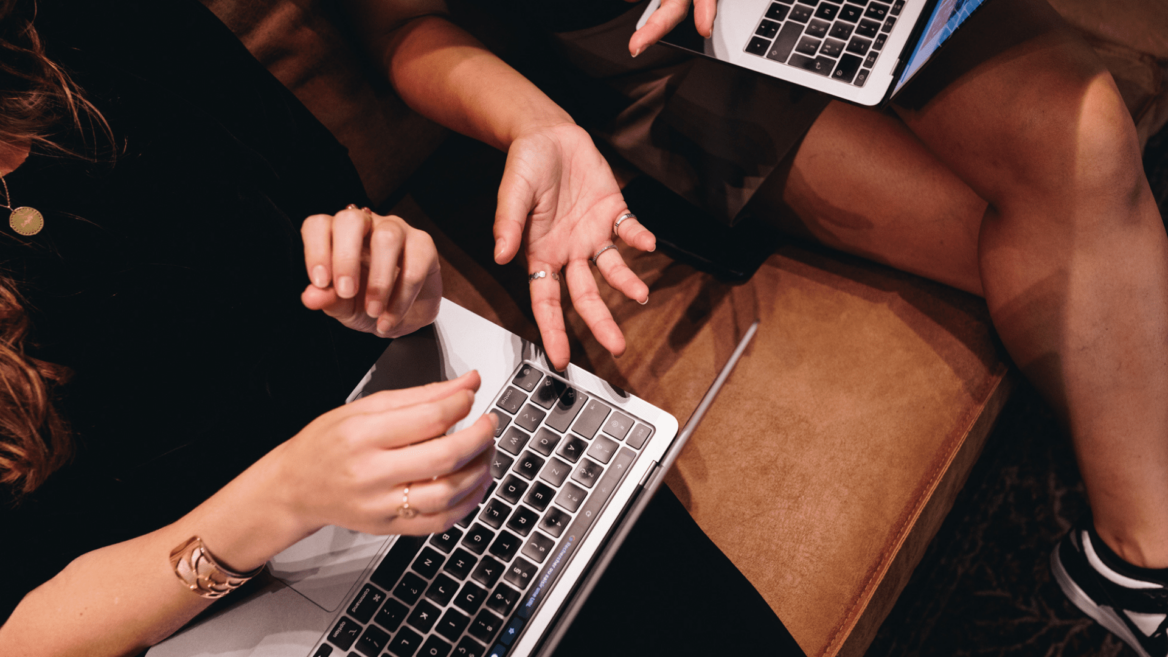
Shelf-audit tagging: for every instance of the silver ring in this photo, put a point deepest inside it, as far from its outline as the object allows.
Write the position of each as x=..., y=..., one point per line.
x=542, y=274
x=602, y=250
x=617, y=223
x=405, y=510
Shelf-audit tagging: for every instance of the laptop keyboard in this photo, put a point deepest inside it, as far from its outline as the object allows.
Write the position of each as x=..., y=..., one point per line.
x=469, y=591
x=838, y=39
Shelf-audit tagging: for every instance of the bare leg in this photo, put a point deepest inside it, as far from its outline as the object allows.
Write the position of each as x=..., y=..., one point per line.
x=1070, y=251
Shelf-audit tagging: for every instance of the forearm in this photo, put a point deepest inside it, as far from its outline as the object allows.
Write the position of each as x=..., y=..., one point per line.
x=446, y=75
x=122, y=598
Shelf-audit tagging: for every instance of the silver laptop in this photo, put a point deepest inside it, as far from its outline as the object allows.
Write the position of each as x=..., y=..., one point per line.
x=863, y=51
x=577, y=461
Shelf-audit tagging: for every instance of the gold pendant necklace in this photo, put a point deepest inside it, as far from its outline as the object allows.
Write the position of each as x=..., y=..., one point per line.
x=24, y=220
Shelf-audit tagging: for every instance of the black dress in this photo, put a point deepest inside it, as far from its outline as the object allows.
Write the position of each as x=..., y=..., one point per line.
x=168, y=279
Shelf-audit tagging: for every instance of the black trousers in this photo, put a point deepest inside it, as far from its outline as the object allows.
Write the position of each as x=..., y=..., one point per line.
x=671, y=591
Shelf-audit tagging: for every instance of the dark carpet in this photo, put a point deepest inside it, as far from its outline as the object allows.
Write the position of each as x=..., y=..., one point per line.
x=984, y=586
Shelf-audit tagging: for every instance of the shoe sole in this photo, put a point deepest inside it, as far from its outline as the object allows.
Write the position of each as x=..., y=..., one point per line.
x=1105, y=616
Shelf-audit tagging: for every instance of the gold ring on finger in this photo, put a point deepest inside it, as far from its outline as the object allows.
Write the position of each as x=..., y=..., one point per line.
x=405, y=510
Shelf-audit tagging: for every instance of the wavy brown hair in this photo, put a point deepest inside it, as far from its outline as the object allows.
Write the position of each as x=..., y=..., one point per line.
x=38, y=103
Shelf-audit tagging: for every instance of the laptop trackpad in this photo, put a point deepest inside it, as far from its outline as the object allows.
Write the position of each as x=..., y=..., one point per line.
x=325, y=566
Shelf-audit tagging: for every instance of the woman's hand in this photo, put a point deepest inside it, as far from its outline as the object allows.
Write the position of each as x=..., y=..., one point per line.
x=558, y=197
x=667, y=16
x=372, y=273
x=350, y=467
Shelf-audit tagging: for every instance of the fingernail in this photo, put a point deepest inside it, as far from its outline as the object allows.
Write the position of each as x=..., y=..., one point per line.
x=351, y=206
x=494, y=421
x=645, y=301
x=346, y=288
x=639, y=51
x=500, y=246
x=374, y=308
x=320, y=277
x=384, y=325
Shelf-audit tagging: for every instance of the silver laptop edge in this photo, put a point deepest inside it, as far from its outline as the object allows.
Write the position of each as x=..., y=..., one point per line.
x=654, y=479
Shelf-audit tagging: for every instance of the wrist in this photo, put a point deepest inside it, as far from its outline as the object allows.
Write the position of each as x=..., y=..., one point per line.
x=540, y=123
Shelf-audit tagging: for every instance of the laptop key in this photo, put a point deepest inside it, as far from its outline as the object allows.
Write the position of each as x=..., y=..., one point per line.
x=485, y=626
x=500, y=465
x=817, y=28
x=847, y=68
x=851, y=13
x=323, y=650
x=778, y=12
x=396, y=561
x=435, y=647
x=373, y=640
x=590, y=418
x=603, y=449
x=861, y=77
x=512, y=489
x=878, y=44
x=573, y=449
x=513, y=441
x=807, y=46
x=487, y=572
x=588, y=471
x=424, y=616
x=460, y=563
x=566, y=409
x=366, y=603
x=410, y=588
x=545, y=441
x=641, y=432
x=888, y=24
x=527, y=377
x=428, y=563
x=867, y=29
x=494, y=513
x=468, y=648
x=391, y=615
x=858, y=46
x=345, y=633
x=827, y=11
x=555, y=522
x=505, y=546
x=782, y=47
x=618, y=425
x=555, y=472
x=405, y=643
x=841, y=31
x=478, y=538
x=511, y=400
x=470, y=598
x=540, y=496
x=767, y=30
x=452, y=624
x=877, y=11
x=522, y=520
x=528, y=466
x=530, y=417
x=800, y=14
x=897, y=6
x=571, y=497
x=502, y=599
x=548, y=391
x=520, y=573
x=538, y=547
x=447, y=539
x=870, y=60
x=504, y=420
x=441, y=591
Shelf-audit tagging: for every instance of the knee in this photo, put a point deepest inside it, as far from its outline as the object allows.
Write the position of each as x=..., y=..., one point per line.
x=1077, y=148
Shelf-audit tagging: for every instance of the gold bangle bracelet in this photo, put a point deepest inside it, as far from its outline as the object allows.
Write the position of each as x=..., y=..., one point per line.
x=198, y=571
